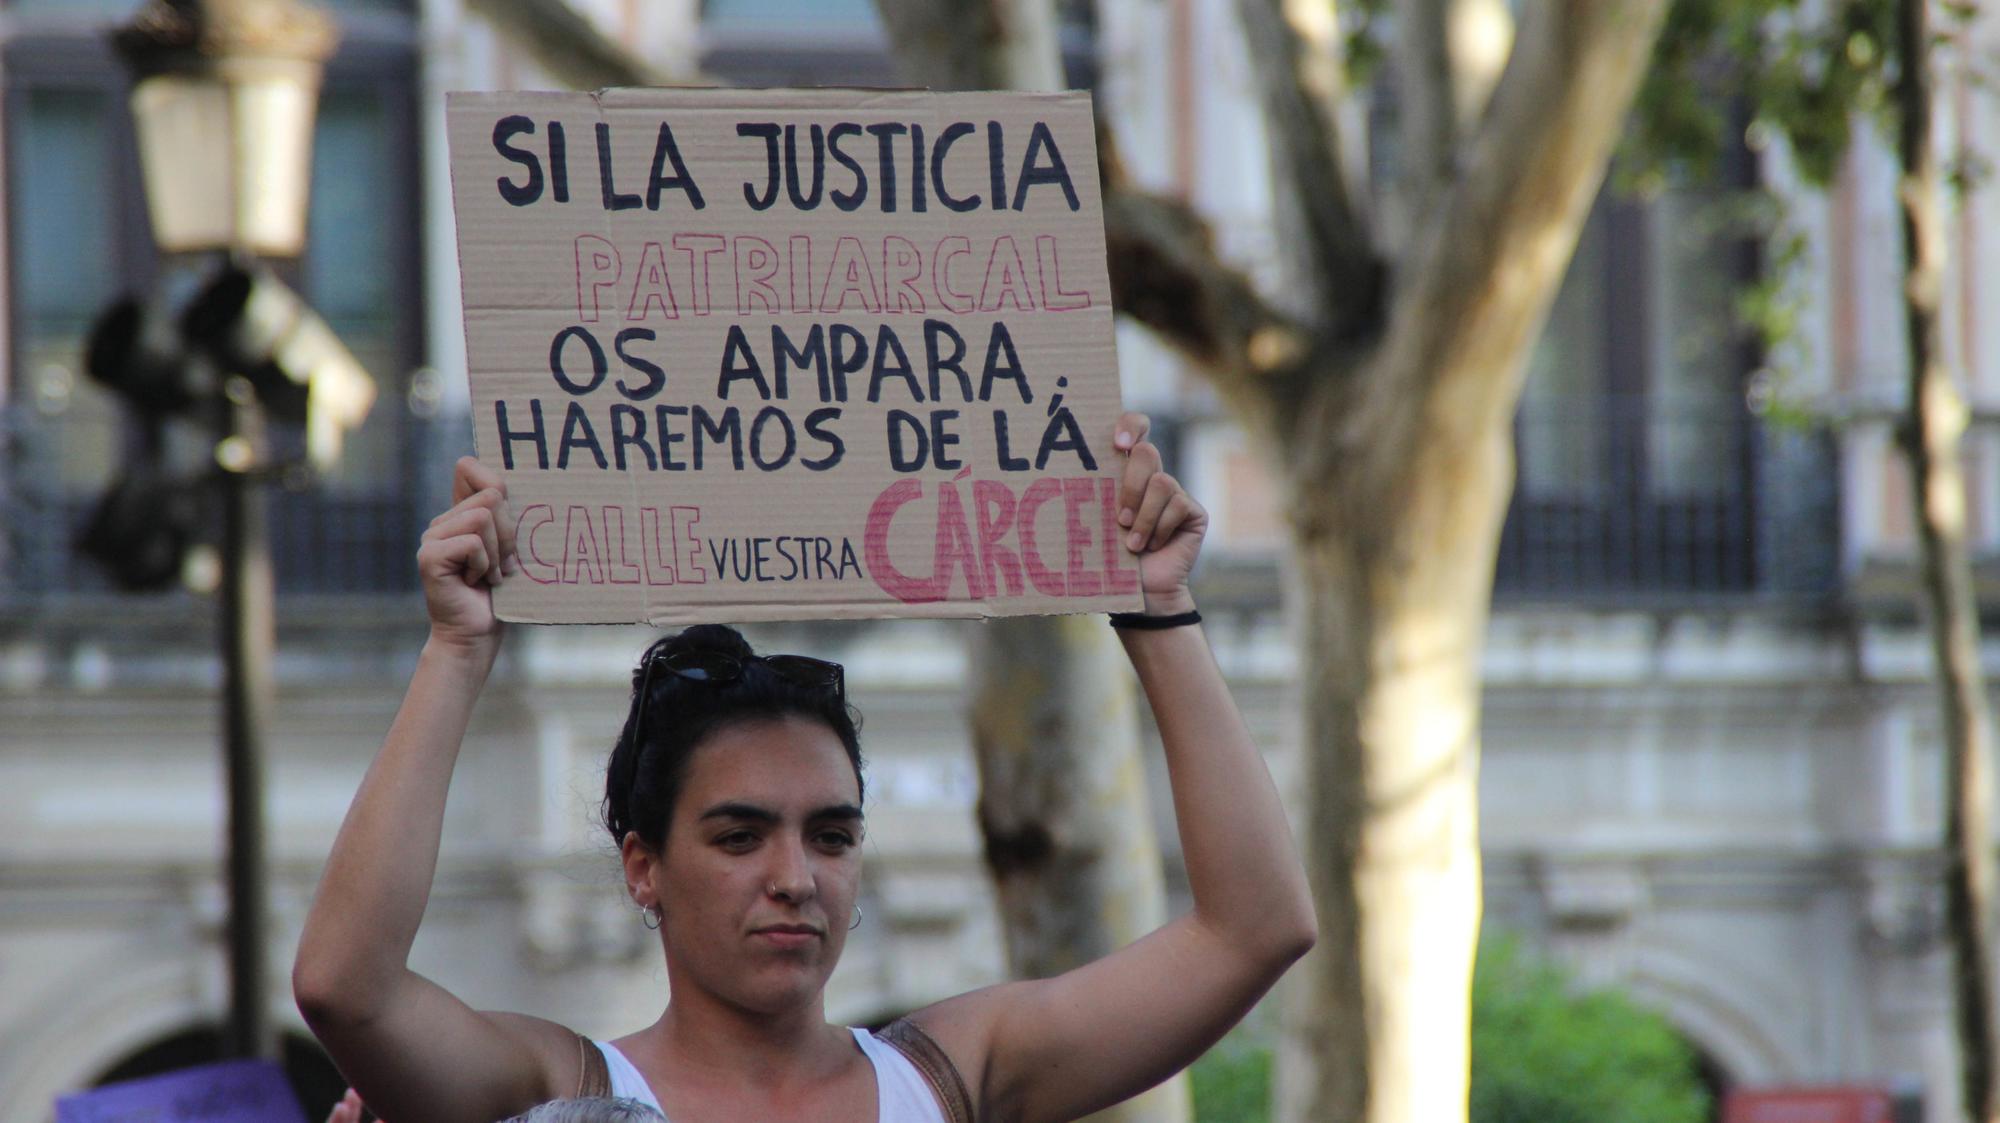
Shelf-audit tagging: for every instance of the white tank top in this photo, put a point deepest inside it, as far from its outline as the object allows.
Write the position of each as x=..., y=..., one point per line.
x=901, y=1093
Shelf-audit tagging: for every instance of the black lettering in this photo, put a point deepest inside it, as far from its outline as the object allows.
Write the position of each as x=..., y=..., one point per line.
x=1063, y=435
x=757, y=557
x=613, y=200
x=1041, y=140
x=917, y=168
x=656, y=379
x=937, y=364
x=943, y=438
x=620, y=414
x=900, y=422
x=665, y=152
x=764, y=417
x=737, y=560
x=734, y=370
x=785, y=356
x=885, y=343
x=818, y=137
x=538, y=435
x=996, y=166
x=577, y=433
x=815, y=426
x=1001, y=447
x=769, y=131
x=847, y=200
x=850, y=354
x=668, y=438
x=945, y=140
x=1002, y=361
x=558, y=162
x=504, y=131
x=730, y=425
x=599, y=366
x=885, y=139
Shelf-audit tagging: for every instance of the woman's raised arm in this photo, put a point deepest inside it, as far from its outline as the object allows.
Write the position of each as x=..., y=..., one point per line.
x=411, y=1048
x=1055, y=1049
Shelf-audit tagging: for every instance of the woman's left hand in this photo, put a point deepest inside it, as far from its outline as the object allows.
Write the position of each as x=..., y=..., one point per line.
x=1162, y=522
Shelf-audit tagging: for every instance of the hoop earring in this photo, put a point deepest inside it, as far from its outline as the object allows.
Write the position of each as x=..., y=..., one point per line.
x=650, y=917
x=856, y=922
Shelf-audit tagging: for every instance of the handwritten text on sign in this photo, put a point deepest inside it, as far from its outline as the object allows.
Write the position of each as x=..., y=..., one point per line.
x=779, y=354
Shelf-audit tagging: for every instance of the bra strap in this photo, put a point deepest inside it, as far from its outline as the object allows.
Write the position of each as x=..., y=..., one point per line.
x=593, y=1078
x=946, y=1084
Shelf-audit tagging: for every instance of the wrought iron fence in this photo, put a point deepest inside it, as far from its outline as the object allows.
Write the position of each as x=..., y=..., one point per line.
x=1628, y=496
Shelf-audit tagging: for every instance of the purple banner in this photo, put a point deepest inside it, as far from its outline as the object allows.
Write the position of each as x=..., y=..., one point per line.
x=230, y=1092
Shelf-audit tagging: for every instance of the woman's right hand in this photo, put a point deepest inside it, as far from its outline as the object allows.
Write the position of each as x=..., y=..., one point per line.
x=465, y=554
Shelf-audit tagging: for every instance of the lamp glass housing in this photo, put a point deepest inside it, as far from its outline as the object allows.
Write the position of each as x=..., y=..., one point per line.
x=227, y=155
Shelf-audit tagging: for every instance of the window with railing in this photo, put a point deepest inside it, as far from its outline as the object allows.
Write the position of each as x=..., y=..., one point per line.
x=1640, y=466
x=78, y=239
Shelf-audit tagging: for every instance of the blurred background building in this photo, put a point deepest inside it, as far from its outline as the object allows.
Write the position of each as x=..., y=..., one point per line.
x=1711, y=771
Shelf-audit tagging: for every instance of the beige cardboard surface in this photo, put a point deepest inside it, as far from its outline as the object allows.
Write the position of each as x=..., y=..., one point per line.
x=791, y=354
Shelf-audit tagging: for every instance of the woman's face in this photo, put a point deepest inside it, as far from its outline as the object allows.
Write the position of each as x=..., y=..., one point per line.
x=757, y=881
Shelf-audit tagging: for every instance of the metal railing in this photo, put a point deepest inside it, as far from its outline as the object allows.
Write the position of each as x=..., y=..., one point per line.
x=1623, y=496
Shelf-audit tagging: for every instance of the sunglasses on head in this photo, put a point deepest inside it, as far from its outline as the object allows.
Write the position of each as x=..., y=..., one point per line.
x=720, y=668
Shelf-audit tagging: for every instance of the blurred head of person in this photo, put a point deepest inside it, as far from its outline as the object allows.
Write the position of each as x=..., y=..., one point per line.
x=593, y=1109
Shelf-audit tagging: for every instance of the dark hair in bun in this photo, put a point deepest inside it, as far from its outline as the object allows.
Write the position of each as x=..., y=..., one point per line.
x=643, y=781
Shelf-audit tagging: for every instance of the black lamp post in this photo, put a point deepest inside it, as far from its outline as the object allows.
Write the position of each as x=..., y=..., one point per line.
x=224, y=95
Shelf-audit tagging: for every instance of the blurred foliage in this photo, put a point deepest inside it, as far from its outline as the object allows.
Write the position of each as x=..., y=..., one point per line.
x=1802, y=75
x=1542, y=1052
x=1231, y=1083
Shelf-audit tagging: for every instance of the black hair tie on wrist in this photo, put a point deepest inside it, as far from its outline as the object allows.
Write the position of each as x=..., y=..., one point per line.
x=1149, y=623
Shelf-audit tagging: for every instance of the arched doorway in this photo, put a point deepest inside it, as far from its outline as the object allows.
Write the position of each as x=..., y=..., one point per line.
x=314, y=1079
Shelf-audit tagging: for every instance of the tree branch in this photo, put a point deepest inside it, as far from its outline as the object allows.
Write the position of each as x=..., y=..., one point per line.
x=1425, y=97
x=975, y=44
x=569, y=46
x=1448, y=56
x=1487, y=259
x=1293, y=45
x=1166, y=274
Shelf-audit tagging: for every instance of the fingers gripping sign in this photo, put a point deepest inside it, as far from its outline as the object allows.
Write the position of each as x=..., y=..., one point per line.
x=1162, y=523
x=466, y=552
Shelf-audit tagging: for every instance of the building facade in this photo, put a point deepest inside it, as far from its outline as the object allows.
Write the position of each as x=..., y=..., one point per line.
x=1711, y=765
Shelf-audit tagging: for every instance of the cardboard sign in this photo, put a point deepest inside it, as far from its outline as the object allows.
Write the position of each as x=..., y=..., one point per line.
x=787, y=354
x=230, y=1092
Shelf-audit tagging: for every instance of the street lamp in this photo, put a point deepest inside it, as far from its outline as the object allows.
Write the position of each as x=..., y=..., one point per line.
x=224, y=93
x=223, y=98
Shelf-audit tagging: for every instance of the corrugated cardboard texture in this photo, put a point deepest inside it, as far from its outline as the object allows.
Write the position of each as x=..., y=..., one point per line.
x=789, y=354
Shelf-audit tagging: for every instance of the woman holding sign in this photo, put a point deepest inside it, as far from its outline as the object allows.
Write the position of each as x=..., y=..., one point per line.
x=734, y=793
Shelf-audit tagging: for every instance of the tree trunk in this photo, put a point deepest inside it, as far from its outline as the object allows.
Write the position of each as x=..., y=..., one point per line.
x=1063, y=808
x=1937, y=417
x=1396, y=599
